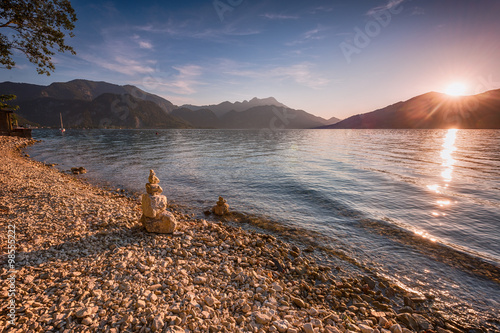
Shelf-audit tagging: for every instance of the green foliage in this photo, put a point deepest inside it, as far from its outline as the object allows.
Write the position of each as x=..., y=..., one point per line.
x=37, y=28
x=7, y=107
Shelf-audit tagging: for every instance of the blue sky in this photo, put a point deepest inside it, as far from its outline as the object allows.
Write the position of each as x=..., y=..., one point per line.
x=330, y=58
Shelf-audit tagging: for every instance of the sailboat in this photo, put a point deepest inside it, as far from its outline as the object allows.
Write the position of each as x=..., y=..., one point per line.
x=62, y=127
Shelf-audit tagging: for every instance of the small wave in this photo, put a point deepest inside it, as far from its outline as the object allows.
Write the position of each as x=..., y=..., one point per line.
x=438, y=250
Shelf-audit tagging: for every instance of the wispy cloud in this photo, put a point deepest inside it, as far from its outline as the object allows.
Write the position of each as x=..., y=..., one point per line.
x=221, y=35
x=313, y=34
x=302, y=73
x=321, y=9
x=143, y=44
x=279, y=17
x=120, y=64
x=389, y=5
x=182, y=83
x=183, y=30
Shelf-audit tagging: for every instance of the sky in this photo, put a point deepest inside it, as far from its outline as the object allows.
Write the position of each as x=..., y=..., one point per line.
x=329, y=58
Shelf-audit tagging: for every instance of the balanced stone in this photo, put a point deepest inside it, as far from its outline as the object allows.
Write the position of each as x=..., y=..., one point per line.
x=165, y=223
x=153, y=205
x=153, y=189
x=221, y=208
x=152, y=177
x=154, y=217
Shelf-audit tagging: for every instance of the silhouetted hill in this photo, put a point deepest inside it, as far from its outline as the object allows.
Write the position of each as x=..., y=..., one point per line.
x=202, y=118
x=432, y=110
x=270, y=117
x=258, y=117
x=79, y=90
x=333, y=120
x=225, y=107
x=83, y=104
x=106, y=111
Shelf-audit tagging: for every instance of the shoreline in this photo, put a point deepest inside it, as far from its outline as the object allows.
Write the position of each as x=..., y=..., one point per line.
x=84, y=263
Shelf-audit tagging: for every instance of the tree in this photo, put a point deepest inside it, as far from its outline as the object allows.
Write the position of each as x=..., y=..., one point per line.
x=37, y=28
x=7, y=107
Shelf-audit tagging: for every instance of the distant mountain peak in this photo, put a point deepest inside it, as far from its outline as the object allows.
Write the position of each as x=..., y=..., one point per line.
x=85, y=103
x=226, y=106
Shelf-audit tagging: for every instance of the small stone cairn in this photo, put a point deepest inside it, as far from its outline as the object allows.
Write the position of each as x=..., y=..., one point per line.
x=221, y=208
x=155, y=218
x=77, y=171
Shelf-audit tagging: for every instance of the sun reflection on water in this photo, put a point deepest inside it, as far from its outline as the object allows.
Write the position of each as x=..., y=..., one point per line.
x=447, y=152
x=448, y=162
x=425, y=235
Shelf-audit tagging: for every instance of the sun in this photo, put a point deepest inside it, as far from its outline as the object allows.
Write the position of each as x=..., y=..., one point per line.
x=456, y=89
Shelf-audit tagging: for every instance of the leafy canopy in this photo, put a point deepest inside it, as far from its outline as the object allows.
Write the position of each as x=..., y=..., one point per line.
x=7, y=107
x=37, y=28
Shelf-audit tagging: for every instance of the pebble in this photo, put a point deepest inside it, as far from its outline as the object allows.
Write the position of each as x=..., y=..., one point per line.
x=365, y=328
x=308, y=328
x=87, y=321
x=263, y=319
x=281, y=325
x=85, y=264
x=396, y=329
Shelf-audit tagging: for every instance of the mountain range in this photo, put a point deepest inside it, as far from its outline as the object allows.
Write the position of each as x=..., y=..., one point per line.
x=432, y=111
x=225, y=107
x=91, y=104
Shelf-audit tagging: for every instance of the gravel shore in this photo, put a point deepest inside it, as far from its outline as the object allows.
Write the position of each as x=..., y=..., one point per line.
x=83, y=263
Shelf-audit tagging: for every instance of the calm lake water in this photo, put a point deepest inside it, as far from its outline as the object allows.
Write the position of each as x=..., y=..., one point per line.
x=420, y=207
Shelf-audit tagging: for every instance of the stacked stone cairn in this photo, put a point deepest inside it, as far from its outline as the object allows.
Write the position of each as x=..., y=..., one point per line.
x=221, y=208
x=155, y=218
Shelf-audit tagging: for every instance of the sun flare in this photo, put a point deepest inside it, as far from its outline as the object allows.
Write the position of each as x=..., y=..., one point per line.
x=456, y=89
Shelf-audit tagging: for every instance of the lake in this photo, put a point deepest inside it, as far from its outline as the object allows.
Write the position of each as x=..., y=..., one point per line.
x=418, y=207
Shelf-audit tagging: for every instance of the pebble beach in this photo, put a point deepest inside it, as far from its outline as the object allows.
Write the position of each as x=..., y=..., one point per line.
x=84, y=263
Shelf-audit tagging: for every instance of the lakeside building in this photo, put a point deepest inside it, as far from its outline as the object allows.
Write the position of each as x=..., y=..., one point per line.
x=7, y=128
